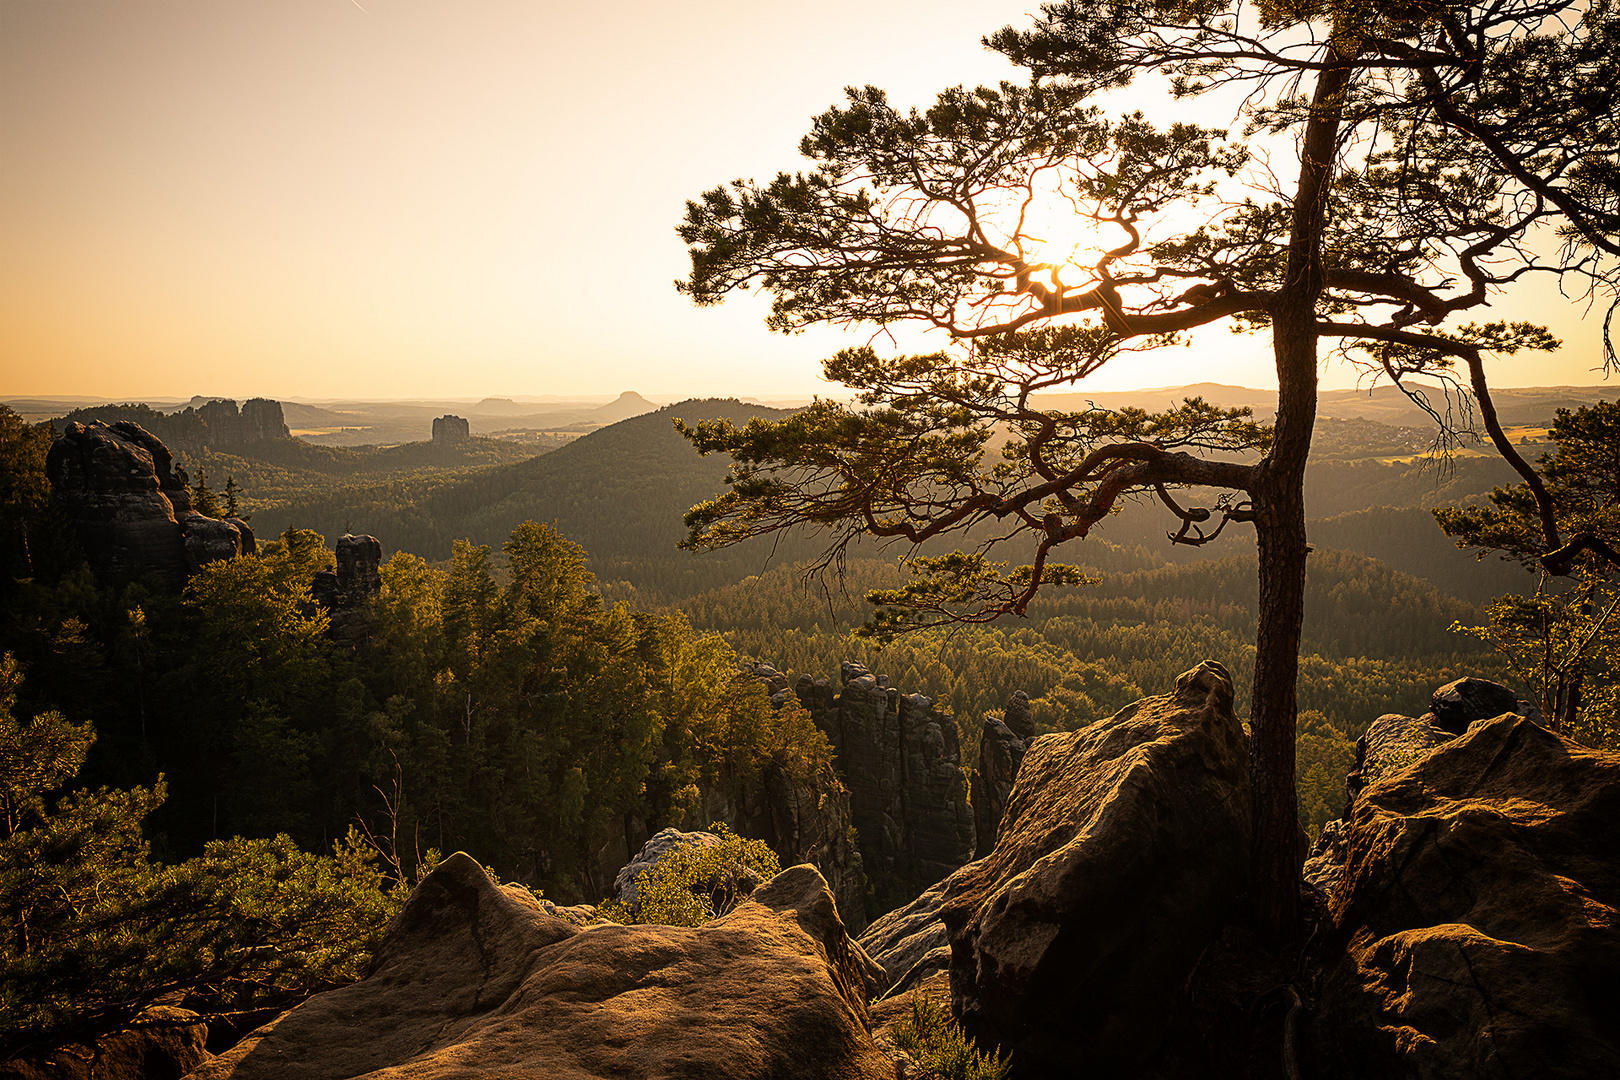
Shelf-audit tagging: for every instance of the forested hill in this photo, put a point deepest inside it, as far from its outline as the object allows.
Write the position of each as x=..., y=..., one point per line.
x=620, y=491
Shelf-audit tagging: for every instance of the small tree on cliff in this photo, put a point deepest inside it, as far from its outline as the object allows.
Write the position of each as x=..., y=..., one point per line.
x=1432, y=140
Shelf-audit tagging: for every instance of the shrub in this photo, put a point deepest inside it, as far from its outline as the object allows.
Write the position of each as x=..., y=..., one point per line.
x=937, y=1043
x=693, y=884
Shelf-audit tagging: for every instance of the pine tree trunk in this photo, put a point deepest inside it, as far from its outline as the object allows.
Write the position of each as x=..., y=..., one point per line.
x=1278, y=494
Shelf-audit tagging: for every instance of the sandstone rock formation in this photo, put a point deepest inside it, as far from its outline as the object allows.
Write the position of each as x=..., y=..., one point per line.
x=212, y=539
x=451, y=429
x=1476, y=932
x=346, y=590
x=258, y=420
x=910, y=943
x=900, y=760
x=1123, y=851
x=119, y=486
x=476, y=979
x=131, y=507
x=1001, y=751
x=162, y=1042
x=1393, y=742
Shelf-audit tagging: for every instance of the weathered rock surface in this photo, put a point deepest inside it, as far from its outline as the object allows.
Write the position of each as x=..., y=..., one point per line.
x=210, y=540
x=1477, y=929
x=1123, y=851
x=451, y=429
x=162, y=1043
x=259, y=419
x=346, y=591
x=1393, y=742
x=119, y=486
x=900, y=760
x=1001, y=751
x=910, y=943
x=473, y=979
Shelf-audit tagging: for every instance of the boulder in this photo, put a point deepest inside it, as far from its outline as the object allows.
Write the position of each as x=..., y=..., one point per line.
x=900, y=759
x=162, y=1043
x=119, y=486
x=475, y=979
x=210, y=540
x=1462, y=701
x=1123, y=851
x=1476, y=932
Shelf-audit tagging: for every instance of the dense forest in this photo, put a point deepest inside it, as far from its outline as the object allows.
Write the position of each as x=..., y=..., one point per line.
x=505, y=702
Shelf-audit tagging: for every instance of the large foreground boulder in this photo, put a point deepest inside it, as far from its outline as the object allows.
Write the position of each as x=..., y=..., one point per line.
x=1476, y=931
x=474, y=979
x=1124, y=849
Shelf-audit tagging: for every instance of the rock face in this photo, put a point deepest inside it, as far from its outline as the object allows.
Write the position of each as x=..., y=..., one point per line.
x=211, y=539
x=346, y=591
x=162, y=1042
x=900, y=760
x=910, y=943
x=1393, y=742
x=131, y=508
x=1476, y=932
x=1001, y=751
x=258, y=420
x=474, y=979
x=119, y=486
x=1124, y=849
x=451, y=429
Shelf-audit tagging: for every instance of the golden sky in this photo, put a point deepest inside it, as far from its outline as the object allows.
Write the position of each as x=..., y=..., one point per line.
x=411, y=198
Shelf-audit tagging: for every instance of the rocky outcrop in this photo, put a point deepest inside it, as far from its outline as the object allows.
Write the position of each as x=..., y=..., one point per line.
x=120, y=488
x=131, y=507
x=1001, y=751
x=161, y=1043
x=1393, y=742
x=210, y=540
x=899, y=758
x=910, y=943
x=259, y=419
x=451, y=429
x=1476, y=932
x=347, y=590
x=1123, y=851
x=476, y=979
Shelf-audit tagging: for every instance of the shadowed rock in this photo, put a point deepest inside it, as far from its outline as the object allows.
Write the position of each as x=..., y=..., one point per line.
x=899, y=758
x=1001, y=751
x=1476, y=930
x=474, y=979
x=118, y=485
x=1124, y=849
x=346, y=591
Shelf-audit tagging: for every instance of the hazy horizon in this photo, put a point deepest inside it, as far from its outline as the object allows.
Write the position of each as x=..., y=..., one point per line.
x=331, y=200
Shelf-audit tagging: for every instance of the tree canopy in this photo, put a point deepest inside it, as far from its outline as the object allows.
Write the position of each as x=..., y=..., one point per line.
x=1437, y=145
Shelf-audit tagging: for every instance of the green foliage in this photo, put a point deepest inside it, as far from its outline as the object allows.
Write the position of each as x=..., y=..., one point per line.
x=96, y=930
x=695, y=883
x=937, y=1043
x=1325, y=756
x=1562, y=641
x=203, y=499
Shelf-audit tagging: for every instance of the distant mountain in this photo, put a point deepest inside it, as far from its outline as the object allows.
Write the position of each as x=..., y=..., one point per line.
x=620, y=491
x=627, y=404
